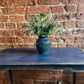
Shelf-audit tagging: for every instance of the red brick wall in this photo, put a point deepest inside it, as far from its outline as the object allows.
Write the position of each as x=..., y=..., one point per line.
x=13, y=13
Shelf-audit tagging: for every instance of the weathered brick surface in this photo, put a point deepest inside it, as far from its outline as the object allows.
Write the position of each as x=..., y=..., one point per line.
x=70, y=24
x=72, y=1
x=77, y=1
x=71, y=8
x=10, y=25
x=13, y=14
x=5, y=2
x=37, y=9
x=1, y=25
x=57, y=9
x=61, y=17
x=78, y=32
x=16, y=18
x=1, y=82
x=13, y=10
x=3, y=18
x=79, y=39
x=80, y=24
x=48, y=2
x=80, y=16
x=48, y=82
x=81, y=7
x=30, y=81
x=24, y=2
x=38, y=82
x=67, y=39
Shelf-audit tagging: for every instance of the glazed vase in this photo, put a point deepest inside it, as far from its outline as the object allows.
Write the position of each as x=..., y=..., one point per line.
x=43, y=45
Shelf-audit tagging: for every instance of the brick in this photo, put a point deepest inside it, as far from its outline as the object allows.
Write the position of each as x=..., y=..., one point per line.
x=2, y=39
x=48, y=2
x=80, y=24
x=18, y=81
x=72, y=15
x=65, y=1
x=5, y=2
x=79, y=39
x=38, y=82
x=48, y=82
x=5, y=45
x=51, y=72
x=81, y=78
x=71, y=8
x=1, y=82
x=59, y=78
x=79, y=82
x=29, y=81
x=57, y=9
x=1, y=25
x=70, y=24
x=3, y=18
x=25, y=72
x=65, y=39
x=20, y=40
x=24, y=2
x=18, y=32
x=33, y=74
x=73, y=45
x=80, y=16
x=7, y=82
x=61, y=45
x=72, y=1
x=37, y=9
x=44, y=77
x=53, y=45
x=24, y=46
x=82, y=45
x=80, y=74
x=7, y=39
x=65, y=16
x=77, y=1
x=11, y=39
x=16, y=18
x=1, y=32
x=28, y=17
x=67, y=72
x=26, y=39
x=19, y=10
x=7, y=33
x=52, y=39
x=66, y=32
x=81, y=7
x=19, y=25
x=10, y=25
x=64, y=77
x=13, y=10
x=22, y=76
x=2, y=76
x=78, y=32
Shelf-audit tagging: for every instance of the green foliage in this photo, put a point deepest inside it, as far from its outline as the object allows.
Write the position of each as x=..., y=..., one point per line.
x=43, y=25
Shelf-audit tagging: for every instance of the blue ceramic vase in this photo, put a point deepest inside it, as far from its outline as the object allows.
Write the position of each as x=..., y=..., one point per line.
x=43, y=45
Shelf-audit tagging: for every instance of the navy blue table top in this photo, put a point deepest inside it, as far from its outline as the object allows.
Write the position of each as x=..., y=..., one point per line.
x=30, y=56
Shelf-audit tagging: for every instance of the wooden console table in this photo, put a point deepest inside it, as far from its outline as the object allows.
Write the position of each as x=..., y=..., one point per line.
x=28, y=58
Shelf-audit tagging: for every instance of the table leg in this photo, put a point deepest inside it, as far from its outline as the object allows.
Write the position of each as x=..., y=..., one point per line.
x=74, y=77
x=10, y=76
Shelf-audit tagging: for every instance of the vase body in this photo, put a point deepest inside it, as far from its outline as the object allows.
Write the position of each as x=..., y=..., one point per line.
x=43, y=45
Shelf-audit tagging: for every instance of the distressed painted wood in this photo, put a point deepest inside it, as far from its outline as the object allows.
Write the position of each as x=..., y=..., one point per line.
x=28, y=58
